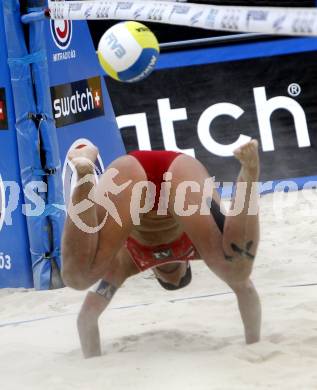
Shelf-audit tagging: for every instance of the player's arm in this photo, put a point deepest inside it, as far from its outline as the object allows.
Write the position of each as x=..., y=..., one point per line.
x=87, y=322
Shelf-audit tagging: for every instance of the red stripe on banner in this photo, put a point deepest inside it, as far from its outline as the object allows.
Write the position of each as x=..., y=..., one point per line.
x=2, y=110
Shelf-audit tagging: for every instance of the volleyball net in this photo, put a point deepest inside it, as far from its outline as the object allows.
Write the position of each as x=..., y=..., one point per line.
x=266, y=20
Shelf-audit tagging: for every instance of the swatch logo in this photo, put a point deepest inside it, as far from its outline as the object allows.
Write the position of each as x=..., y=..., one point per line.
x=62, y=31
x=77, y=101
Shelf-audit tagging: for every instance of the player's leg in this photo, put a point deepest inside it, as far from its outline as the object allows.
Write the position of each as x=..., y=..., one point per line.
x=241, y=239
x=86, y=249
x=230, y=255
x=241, y=231
x=98, y=299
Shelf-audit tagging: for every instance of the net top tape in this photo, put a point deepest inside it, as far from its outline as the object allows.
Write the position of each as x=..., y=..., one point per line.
x=266, y=20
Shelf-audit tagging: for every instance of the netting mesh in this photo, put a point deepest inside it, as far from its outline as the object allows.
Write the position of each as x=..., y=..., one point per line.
x=168, y=33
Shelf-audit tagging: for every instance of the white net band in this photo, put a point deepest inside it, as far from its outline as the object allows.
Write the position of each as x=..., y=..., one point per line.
x=267, y=20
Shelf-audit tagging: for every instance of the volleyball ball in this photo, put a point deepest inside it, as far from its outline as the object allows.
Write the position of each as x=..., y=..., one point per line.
x=128, y=51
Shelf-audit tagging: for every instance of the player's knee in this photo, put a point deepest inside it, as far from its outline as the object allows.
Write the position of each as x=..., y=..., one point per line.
x=240, y=272
x=242, y=287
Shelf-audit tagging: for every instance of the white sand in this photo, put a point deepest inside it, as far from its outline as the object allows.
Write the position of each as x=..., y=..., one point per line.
x=190, y=344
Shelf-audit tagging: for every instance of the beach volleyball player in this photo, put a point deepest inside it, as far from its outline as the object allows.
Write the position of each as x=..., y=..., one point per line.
x=149, y=209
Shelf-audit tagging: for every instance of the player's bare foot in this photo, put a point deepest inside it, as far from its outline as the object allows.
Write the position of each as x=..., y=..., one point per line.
x=83, y=158
x=248, y=155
